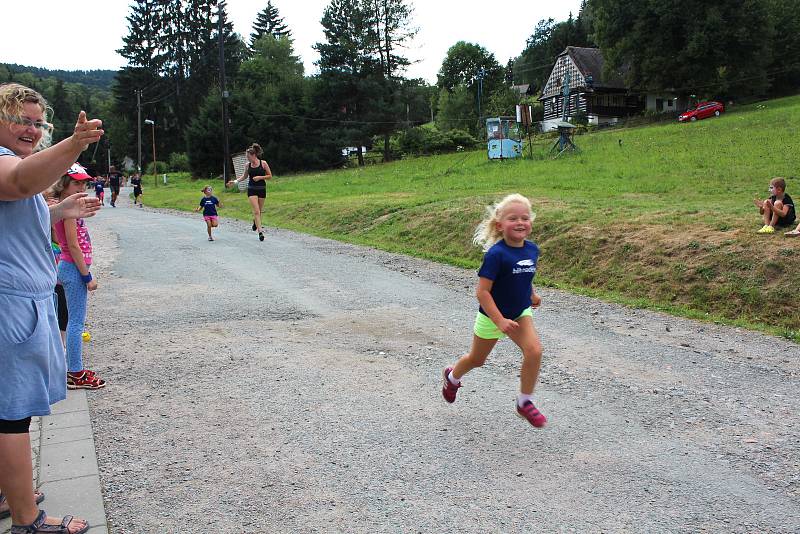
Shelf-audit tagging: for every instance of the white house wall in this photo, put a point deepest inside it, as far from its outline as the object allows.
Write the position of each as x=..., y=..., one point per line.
x=563, y=65
x=650, y=103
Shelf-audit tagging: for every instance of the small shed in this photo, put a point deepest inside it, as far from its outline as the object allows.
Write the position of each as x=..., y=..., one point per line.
x=503, y=138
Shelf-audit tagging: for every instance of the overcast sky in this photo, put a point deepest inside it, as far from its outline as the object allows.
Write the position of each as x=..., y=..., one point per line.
x=85, y=34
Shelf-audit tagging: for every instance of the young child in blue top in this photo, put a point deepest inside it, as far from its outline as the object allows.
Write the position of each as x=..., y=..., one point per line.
x=99, y=190
x=506, y=296
x=209, y=205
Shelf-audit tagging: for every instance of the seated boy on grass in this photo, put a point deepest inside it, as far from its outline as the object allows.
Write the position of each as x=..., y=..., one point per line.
x=778, y=209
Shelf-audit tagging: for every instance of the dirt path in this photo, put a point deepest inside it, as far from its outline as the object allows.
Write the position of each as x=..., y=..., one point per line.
x=293, y=386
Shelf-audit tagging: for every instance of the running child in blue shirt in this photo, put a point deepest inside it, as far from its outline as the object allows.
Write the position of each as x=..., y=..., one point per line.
x=506, y=295
x=209, y=205
x=99, y=190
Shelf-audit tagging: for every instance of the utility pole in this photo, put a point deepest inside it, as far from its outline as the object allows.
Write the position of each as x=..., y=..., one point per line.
x=223, y=92
x=139, y=128
x=481, y=74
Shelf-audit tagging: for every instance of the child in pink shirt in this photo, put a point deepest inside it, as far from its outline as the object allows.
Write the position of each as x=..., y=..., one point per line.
x=73, y=272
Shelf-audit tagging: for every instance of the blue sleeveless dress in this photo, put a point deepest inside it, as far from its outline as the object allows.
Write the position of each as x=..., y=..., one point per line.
x=32, y=362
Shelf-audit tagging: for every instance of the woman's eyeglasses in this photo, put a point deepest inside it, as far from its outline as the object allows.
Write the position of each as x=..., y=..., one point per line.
x=27, y=123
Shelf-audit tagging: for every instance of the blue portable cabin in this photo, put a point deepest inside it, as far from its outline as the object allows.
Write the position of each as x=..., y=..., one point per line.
x=503, y=138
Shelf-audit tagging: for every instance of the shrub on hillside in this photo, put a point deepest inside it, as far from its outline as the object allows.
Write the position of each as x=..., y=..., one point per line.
x=430, y=140
x=161, y=167
x=179, y=162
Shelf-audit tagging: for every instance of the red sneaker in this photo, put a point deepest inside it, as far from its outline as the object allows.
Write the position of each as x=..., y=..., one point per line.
x=528, y=411
x=449, y=389
x=84, y=380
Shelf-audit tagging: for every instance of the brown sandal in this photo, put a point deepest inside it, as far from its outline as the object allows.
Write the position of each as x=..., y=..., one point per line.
x=39, y=526
x=37, y=495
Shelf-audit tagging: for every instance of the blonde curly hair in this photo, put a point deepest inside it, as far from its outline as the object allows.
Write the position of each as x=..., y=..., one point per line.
x=487, y=233
x=13, y=98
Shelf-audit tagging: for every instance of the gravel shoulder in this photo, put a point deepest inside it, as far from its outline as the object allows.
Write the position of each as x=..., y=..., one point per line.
x=293, y=386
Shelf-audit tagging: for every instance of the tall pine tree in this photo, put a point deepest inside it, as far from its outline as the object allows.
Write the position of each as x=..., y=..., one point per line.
x=141, y=47
x=391, y=32
x=361, y=67
x=268, y=22
x=349, y=74
x=172, y=53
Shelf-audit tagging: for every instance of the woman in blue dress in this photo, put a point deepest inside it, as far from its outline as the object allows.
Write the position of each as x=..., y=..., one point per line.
x=32, y=362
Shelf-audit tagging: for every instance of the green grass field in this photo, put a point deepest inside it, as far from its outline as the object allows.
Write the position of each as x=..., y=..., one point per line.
x=663, y=220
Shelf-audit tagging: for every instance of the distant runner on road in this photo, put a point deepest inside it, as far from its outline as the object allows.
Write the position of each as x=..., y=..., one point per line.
x=209, y=205
x=114, y=178
x=136, y=182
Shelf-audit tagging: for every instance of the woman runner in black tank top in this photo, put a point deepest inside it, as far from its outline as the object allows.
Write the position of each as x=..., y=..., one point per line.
x=257, y=173
x=258, y=188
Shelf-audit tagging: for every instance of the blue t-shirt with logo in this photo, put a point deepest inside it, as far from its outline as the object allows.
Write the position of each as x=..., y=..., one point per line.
x=209, y=205
x=98, y=187
x=512, y=270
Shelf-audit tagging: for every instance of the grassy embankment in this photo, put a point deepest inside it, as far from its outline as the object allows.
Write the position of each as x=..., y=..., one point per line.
x=665, y=220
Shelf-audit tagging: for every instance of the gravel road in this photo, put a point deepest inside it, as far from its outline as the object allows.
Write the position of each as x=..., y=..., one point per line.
x=293, y=386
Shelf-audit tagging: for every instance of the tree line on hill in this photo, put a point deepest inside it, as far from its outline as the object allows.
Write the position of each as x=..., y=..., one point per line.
x=728, y=49
x=361, y=96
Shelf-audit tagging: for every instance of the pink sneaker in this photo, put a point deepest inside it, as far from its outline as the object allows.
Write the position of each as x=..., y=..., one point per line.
x=528, y=411
x=449, y=389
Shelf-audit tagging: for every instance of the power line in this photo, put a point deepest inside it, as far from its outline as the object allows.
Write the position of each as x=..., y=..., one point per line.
x=159, y=99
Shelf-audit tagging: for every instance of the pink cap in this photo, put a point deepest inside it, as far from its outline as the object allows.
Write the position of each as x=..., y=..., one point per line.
x=76, y=172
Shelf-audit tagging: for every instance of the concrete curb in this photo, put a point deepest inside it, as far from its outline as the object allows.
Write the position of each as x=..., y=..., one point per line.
x=65, y=464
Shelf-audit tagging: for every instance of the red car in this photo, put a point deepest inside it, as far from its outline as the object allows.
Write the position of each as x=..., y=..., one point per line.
x=702, y=111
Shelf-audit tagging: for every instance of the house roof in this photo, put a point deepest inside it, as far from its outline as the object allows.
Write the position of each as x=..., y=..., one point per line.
x=590, y=61
x=522, y=88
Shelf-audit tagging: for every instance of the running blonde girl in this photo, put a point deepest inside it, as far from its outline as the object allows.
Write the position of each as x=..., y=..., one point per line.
x=506, y=296
x=209, y=205
x=257, y=173
x=73, y=272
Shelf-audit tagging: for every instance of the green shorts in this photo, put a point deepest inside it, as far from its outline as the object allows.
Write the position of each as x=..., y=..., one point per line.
x=485, y=329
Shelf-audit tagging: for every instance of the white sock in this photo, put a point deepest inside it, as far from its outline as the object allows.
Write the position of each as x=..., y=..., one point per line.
x=522, y=399
x=453, y=380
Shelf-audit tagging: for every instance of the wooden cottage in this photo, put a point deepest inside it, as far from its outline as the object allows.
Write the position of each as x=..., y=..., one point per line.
x=601, y=99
